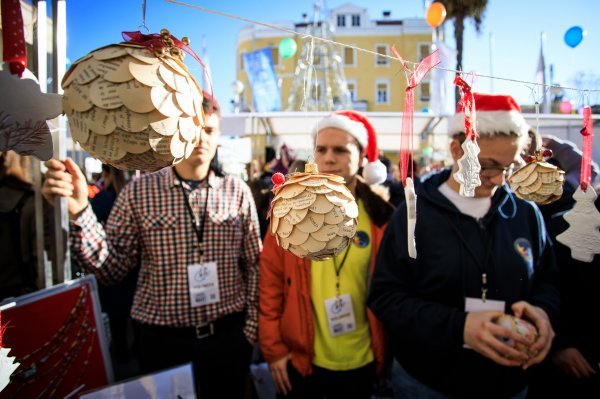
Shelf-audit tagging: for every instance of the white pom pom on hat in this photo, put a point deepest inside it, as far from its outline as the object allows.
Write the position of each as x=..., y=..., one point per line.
x=358, y=126
x=495, y=114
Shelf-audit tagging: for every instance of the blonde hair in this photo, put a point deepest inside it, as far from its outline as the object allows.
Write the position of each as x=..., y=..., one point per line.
x=15, y=166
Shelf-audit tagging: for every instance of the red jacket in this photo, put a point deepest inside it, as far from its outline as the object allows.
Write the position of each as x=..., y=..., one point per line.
x=285, y=321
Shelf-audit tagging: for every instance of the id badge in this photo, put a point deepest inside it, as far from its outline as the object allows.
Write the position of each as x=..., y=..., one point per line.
x=340, y=315
x=203, y=284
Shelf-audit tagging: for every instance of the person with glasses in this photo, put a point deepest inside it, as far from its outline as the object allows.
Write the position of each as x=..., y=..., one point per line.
x=477, y=258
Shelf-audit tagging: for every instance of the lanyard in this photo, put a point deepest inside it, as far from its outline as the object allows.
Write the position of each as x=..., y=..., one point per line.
x=338, y=270
x=198, y=227
x=483, y=266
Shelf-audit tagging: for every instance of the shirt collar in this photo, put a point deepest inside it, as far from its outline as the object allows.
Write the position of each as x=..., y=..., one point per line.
x=214, y=181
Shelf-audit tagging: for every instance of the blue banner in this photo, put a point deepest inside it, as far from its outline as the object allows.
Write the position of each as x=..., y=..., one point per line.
x=263, y=81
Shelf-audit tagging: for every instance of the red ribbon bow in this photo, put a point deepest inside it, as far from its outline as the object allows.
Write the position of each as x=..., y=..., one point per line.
x=588, y=137
x=14, y=52
x=467, y=103
x=414, y=80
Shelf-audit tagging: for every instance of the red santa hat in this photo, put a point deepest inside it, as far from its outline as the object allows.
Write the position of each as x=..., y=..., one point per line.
x=358, y=126
x=495, y=114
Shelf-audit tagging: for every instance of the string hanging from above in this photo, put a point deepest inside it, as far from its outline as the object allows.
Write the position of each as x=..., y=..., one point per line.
x=363, y=50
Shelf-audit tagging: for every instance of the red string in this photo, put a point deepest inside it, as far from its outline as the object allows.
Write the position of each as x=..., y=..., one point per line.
x=586, y=160
x=14, y=52
x=415, y=78
x=154, y=42
x=467, y=104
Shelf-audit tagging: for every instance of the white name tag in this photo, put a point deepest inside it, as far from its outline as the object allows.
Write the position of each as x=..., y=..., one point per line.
x=340, y=315
x=479, y=305
x=203, y=284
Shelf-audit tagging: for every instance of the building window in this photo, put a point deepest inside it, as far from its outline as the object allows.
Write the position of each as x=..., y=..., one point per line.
x=382, y=93
x=355, y=20
x=424, y=50
x=275, y=55
x=381, y=49
x=424, y=94
x=349, y=56
x=352, y=89
x=341, y=20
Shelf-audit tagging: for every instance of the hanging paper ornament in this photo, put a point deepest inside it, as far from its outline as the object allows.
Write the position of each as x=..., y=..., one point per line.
x=7, y=367
x=583, y=235
x=411, y=216
x=538, y=181
x=313, y=214
x=135, y=105
x=468, y=164
x=436, y=14
x=287, y=47
x=522, y=328
x=24, y=109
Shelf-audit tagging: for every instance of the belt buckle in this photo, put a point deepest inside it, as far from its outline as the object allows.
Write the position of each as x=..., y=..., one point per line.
x=201, y=333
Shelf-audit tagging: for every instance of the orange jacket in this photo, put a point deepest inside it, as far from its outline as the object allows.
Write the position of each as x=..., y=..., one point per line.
x=285, y=322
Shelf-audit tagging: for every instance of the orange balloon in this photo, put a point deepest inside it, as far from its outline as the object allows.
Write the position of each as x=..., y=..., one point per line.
x=436, y=14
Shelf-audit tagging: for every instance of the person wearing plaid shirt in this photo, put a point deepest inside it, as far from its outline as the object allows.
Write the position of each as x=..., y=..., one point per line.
x=196, y=232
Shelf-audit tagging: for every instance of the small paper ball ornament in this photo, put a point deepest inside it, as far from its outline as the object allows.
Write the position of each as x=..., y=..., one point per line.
x=134, y=108
x=521, y=327
x=313, y=214
x=538, y=181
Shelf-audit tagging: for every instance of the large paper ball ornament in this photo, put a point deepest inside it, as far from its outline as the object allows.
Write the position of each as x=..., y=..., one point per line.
x=134, y=108
x=521, y=327
x=436, y=14
x=538, y=181
x=313, y=214
x=574, y=35
x=287, y=47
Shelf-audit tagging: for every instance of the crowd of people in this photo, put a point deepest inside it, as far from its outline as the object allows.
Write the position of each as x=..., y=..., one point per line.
x=210, y=283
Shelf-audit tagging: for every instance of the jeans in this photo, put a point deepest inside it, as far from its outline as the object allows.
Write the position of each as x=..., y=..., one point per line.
x=408, y=387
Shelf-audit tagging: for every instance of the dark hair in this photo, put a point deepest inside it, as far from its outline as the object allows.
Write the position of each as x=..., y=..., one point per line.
x=116, y=178
x=210, y=105
x=13, y=170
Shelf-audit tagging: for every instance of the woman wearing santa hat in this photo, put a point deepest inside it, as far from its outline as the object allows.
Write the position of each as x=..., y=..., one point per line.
x=306, y=360
x=477, y=258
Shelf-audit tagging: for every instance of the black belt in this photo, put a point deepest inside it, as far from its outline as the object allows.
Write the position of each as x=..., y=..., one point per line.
x=202, y=331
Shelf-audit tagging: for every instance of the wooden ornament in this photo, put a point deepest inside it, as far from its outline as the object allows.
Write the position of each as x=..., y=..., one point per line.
x=313, y=214
x=144, y=106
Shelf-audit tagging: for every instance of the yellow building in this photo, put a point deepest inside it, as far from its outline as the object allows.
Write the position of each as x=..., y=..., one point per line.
x=376, y=84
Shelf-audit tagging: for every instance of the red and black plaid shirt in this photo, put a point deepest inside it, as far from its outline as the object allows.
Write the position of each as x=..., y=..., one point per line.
x=150, y=218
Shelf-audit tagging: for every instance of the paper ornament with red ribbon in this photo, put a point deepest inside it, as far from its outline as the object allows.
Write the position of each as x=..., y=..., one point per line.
x=406, y=140
x=24, y=109
x=313, y=215
x=135, y=105
x=538, y=181
x=468, y=164
x=583, y=234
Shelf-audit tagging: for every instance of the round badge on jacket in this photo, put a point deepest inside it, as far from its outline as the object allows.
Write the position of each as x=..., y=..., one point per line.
x=361, y=239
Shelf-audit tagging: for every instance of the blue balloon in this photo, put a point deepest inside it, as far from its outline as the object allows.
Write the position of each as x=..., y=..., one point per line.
x=574, y=36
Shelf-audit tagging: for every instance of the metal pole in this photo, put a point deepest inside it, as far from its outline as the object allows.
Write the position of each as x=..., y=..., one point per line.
x=61, y=217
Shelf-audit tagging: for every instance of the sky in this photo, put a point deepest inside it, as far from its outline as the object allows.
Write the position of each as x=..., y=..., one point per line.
x=515, y=27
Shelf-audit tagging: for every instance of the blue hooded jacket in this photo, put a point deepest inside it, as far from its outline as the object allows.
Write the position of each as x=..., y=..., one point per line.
x=422, y=301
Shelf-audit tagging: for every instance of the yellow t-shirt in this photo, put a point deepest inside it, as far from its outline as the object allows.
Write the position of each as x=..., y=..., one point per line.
x=350, y=350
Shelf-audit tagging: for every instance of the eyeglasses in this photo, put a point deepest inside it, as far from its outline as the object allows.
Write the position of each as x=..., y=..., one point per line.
x=493, y=171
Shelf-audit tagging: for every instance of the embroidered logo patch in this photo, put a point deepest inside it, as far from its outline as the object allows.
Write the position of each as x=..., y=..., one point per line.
x=523, y=248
